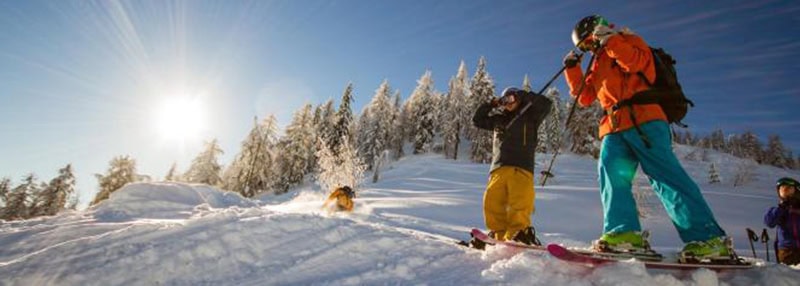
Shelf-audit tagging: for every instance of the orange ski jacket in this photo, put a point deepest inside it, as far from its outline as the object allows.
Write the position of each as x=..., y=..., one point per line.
x=614, y=77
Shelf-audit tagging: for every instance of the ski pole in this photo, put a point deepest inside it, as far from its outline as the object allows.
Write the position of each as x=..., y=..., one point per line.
x=547, y=173
x=765, y=241
x=751, y=235
x=528, y=105
x=775, y=247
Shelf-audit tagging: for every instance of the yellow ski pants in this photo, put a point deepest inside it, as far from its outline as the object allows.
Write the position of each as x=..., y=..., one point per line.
x=508, y=201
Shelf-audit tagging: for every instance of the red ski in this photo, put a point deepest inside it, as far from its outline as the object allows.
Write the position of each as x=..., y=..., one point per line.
x=482, y=236
x=596, y=259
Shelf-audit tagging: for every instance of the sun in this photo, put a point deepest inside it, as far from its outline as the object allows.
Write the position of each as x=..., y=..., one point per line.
x=180, y=118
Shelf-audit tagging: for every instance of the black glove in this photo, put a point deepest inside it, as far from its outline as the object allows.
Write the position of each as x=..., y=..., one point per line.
x=783, y=204
x=571, y=59
x=794, y=201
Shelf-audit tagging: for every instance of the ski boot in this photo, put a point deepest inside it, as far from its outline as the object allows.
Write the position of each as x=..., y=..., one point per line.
x=527, y=236
x=631, y=243
x=718, y=250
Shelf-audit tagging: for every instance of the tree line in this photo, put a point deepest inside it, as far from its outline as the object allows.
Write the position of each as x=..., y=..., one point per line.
x=334, y=146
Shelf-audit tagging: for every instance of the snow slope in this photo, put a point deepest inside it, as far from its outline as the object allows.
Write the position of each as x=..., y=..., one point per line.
x=402, y=232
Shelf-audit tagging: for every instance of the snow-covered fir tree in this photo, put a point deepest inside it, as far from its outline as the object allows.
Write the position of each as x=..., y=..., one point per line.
x=344, y=118
x=481, y=90
x=55, y=196
x=5, y=189
x=582, y=130
x=376, y=126
x=297, y=150
x=746, y=145
x=19, y=199
x=775, y=154
x=324, y=122
x=421, y=117
x=552, y=129
x=342, y=167
x=526, y=84
x=172, y=174
x=398, y=134
x=252, y=172
x=205, y=168
x=121, y=171
x=716, y=140
x=713, y=174
x=437, y=106
x=790, y=163
x=456, y=112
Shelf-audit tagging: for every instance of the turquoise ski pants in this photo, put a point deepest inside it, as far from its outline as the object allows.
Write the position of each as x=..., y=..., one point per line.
x=620, y=155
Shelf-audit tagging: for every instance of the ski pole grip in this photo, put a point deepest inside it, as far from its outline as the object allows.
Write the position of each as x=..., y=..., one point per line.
x=751, y=234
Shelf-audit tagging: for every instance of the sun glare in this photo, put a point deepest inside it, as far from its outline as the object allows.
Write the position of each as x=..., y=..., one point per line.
x=180, y=119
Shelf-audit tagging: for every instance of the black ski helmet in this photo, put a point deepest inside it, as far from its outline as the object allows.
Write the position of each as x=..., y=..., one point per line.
x=348, y=191
x=786, y=181
x=585, y=27
x=510, y=91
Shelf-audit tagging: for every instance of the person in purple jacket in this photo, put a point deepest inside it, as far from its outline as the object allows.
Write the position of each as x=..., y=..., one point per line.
x=786, y=216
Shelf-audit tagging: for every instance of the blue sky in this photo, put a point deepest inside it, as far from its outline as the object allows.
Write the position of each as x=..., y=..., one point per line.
x=81, y=81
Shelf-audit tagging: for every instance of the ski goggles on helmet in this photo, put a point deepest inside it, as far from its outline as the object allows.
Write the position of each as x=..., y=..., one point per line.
x=788, y=182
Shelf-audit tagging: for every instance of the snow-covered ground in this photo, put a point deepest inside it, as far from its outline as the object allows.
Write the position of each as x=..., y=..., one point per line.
x=402, y=232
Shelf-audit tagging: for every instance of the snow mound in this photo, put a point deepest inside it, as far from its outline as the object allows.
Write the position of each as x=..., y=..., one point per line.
x=165, y=201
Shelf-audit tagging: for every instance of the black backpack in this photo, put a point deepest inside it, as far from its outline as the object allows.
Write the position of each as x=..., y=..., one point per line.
x=666, y=91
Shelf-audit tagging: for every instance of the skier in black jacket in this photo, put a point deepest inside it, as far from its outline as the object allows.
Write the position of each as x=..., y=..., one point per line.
x=508, y=201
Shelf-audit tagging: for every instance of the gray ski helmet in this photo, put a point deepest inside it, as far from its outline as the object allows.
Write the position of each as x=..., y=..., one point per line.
x=585, y=27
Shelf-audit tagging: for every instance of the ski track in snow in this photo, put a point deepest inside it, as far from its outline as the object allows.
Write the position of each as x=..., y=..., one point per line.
x=402, y=232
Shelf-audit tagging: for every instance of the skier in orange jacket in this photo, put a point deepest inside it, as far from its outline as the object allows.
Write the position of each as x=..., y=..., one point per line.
x=343, y=197
x=633, y=135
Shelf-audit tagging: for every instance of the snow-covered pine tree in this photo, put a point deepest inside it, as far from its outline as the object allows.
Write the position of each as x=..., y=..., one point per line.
x=5, y=189
x=552, y=129
x=437, y=108
x=376, y=126
x=583, y=130
x=713, y=174
x=398, y=134
x=344, y=119
x=339, y=168
x=481, y=90
x=205, y=168
x=362, y=134
x=420, y=107
x=324, y=125
x=797, y=163
x=17, y=206
x=717, y=140
x=526, y=84
x=790, y=163
x=252, y=173
x=456, y=113
x=751, y=146
x=775, y=154
x=172, y=174
x=297, y=150
x=53, y=198
x=121, y=171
